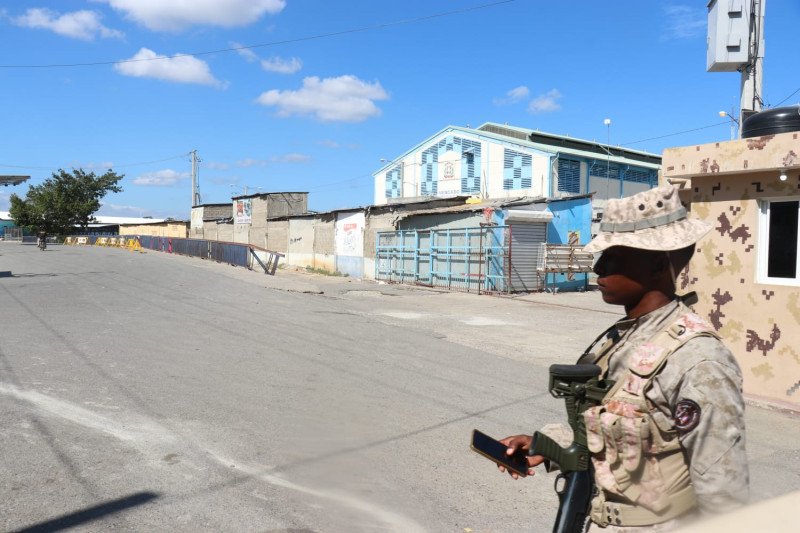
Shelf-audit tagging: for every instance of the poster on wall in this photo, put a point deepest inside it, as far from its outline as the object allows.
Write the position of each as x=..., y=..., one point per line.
x=350, y=235
x=244, y=211
x=197, y=219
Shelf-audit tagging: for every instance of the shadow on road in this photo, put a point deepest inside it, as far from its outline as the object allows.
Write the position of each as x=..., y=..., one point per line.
x=90, y=514
x=9, y=274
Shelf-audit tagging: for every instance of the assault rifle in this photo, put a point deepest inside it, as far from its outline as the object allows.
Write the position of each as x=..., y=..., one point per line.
x=581, y=387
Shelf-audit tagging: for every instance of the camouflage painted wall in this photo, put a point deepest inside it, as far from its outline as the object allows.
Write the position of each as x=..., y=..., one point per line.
x=759, y=322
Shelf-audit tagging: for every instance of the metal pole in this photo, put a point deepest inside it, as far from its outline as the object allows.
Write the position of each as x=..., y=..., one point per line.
x=194, y=177
x=753, y=72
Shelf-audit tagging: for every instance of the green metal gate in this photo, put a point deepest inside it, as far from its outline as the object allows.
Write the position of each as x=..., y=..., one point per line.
x=463, y=259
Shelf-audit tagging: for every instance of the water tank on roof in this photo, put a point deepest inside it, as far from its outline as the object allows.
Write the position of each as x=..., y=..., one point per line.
x=772, y=121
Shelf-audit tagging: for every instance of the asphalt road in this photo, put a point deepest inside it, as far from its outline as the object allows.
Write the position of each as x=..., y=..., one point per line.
x=152, y=392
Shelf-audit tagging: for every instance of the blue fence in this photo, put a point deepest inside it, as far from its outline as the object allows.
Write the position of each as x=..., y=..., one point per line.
x=224, y=252
x=464, y=259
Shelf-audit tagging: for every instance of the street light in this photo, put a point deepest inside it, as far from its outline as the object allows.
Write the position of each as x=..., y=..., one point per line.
x=607, y=122
x=734, y=120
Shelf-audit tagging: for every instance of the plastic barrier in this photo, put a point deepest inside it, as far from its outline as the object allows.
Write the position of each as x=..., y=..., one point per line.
x=134, y=245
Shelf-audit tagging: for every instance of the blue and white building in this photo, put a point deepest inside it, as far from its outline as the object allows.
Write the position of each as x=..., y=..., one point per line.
x=497, y=161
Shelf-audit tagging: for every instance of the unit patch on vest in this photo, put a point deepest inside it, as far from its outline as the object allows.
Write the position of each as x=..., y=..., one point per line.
x=687, y=415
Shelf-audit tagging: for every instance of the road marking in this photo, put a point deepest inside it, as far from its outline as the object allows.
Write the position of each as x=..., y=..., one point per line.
x=393, y=520
x=485, y=321
x=404, y=315
x=123, y=431
x=142, y=429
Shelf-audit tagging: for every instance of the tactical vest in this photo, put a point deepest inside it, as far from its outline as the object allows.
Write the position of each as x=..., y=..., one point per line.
x=640, y=470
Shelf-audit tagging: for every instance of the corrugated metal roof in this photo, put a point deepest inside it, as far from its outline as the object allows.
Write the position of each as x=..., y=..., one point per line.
x=522, y=137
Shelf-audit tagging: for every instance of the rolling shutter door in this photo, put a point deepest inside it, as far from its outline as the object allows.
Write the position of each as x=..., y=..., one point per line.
x=525, y=251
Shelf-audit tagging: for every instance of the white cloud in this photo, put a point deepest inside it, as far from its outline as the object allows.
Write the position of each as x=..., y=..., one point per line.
x=182, y=69
x=247, y=53
x=684, y=22
x=292, y=158
x=84, y=25
x=513, y=96
x=161, y=178
x=545, y=103
x=330, y=143
x=281, y=66
x=273, y=64
x=218, y=166
x=176, y=15
x=102, y=165
x=251, y=163
x=345, y=99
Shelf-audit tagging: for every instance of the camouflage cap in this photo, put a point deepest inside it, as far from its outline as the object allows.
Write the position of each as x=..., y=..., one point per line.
x=651, y=220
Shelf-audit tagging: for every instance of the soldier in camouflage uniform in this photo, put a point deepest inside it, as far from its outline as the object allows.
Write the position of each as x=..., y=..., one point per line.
x=668, y=441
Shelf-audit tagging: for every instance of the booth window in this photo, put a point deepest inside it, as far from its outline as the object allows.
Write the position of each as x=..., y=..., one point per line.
x=778, y=251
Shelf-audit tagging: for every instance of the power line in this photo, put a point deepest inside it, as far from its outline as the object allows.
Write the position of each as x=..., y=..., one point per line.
x=30, y=167
x=274, y=43
x=673, y=134
x=794, y=93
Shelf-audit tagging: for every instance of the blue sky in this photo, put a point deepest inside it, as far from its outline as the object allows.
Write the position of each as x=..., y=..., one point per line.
x=326, y=88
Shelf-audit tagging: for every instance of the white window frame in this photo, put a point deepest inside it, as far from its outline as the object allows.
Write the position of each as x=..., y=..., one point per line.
x=763, y=244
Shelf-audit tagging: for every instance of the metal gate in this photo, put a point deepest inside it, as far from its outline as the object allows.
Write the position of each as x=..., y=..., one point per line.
x=526, y=241
x=463, y=259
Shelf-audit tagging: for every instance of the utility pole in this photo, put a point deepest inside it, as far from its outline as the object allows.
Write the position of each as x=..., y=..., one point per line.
x=753, y=71
x=195, y=160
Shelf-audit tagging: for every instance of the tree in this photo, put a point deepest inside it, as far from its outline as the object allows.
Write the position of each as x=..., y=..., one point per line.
x=64, y=201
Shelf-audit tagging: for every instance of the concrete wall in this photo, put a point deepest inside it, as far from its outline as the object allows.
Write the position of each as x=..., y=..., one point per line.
x=217, y=232
x=324, y=239
x=377, y=220
x=728, y=183
x=300, y=251
x=459, y=220
x=277, y=233
x=160, y=229
x=286, y=204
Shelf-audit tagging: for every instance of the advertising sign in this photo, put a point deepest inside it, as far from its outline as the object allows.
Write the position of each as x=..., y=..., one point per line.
x=244, y=211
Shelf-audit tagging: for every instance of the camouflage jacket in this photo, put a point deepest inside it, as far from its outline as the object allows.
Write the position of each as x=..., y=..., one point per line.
x=705, y=372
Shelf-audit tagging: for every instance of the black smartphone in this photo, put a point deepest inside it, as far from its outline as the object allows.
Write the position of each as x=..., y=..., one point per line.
x=496, y=451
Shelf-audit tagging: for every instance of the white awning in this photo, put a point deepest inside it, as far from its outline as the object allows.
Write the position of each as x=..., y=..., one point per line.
x=527, y=215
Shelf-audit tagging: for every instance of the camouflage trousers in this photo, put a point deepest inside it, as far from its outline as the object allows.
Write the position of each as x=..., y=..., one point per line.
x=669, y=525
x=656, y=528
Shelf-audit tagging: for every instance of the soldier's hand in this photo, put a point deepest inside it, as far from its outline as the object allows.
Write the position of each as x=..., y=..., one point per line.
x=521, y=442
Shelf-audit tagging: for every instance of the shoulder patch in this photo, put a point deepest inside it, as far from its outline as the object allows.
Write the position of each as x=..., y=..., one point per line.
x=687, y=415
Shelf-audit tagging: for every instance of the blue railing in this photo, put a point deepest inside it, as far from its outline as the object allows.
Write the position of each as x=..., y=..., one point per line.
x=463, y=259
x=225, y=252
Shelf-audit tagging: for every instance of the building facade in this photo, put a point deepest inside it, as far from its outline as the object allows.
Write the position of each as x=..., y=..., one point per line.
x=497, y=161
x=747, y=270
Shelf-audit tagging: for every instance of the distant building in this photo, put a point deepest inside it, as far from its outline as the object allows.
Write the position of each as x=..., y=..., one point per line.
x=245, y=219
x=103, y=225
x=496, y=162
